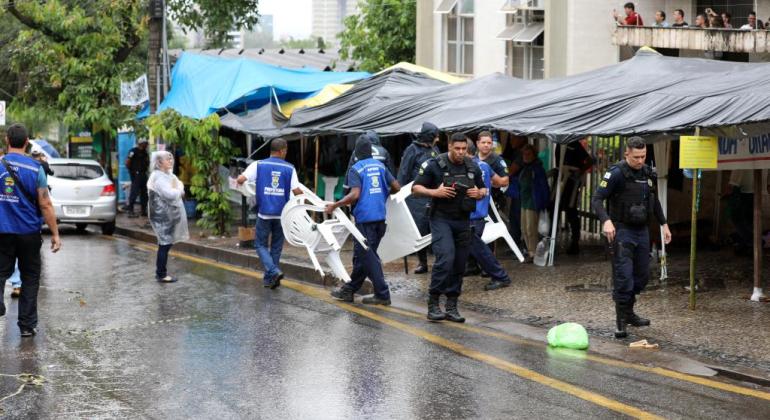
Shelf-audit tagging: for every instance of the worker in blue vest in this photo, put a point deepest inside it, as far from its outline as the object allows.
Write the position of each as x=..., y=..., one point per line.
x=24, y=204
x=370, y=184
x=630, y=189
x=417, y=153
x=478, y=249
x=276, y=179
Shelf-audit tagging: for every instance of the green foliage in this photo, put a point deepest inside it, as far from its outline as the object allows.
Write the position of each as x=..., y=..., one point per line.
x=382, y=34
x=206, y=151
x=72, y=59
x=296, y=44
x=216, y=17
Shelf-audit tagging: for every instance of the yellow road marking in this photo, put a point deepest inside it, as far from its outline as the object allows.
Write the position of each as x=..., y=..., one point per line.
x=493, y=361
x=610, y=362
x=594, y=358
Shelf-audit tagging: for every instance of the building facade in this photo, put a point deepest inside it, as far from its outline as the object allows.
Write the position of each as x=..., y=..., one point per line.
x=328, y=17
x=535, y=39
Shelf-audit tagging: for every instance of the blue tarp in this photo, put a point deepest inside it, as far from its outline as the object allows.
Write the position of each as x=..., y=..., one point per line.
x=202, y=85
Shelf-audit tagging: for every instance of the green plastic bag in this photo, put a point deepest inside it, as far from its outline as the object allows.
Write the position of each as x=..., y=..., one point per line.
x=569, y=335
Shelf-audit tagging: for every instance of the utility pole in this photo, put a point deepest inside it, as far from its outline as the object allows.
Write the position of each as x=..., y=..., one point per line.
x=154, y=47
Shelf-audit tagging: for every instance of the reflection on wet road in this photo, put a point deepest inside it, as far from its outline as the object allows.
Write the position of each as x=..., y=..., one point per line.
x=114, y=343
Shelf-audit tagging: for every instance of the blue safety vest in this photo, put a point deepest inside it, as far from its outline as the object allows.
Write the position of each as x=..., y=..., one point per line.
x=273, y=185
x=482, y=206
x=17, y=214
x=370, y=206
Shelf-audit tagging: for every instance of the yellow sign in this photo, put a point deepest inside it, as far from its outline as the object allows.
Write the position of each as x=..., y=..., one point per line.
x=698, y=152
x=75, y=139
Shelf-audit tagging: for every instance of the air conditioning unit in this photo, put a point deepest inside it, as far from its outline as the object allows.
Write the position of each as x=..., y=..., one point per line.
x=536, y=4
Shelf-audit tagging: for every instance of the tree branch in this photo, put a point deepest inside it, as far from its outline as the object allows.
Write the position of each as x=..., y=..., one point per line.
x=32, y=24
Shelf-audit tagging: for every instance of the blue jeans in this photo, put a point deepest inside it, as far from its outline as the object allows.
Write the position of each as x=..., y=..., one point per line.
x=161, y=260
x=269, y=249
x=451, y=240
x=366, y=262
x=15, y=278
x=630, y=262
x=483, y=255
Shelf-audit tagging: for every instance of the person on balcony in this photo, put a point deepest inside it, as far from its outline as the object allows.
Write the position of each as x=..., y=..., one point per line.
x=754, y=23
x=679, y=21
x=631, y=19
x=660, y=20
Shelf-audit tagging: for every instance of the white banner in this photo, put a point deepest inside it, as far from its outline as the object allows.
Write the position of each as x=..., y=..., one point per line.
x=2, y=112
x=134, y=93
x=748, y=153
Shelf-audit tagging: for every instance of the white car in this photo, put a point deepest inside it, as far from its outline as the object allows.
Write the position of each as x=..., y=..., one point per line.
x=82, y=194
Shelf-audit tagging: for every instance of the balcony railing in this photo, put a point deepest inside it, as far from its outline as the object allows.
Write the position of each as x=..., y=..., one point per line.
x=728, y=40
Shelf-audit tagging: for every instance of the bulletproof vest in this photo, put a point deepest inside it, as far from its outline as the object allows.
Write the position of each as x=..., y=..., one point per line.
x=461, y=178
x=140, y=161
x=422, y=154
x=633, y=205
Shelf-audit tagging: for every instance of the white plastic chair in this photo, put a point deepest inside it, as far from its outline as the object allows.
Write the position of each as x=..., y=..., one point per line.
x=496, y=230
x=402, y=237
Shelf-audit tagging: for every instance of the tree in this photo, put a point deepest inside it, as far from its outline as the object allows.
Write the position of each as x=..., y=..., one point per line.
x=382, y=34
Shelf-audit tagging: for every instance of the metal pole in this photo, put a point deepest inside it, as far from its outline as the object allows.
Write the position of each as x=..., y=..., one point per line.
x=758, y=190
x=555, y=224
x=693, y=235
x=317, y=155
x=693, y=230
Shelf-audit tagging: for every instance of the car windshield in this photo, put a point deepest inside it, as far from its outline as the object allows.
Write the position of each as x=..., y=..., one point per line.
x=76, y=171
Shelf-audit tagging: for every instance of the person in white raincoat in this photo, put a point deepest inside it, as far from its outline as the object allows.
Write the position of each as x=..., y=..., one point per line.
x=166, y=210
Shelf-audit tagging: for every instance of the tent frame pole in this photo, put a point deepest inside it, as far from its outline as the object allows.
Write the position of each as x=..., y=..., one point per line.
x=555, y=222
x=758, y=187
x=693, y=230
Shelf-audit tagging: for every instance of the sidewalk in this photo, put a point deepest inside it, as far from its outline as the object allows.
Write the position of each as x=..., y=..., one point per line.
x=726, y=328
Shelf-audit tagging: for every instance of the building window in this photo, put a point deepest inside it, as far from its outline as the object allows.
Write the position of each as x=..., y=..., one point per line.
x=459, y=36
x=524, y=36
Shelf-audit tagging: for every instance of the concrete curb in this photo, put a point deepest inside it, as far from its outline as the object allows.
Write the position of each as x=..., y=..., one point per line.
x=304, y=273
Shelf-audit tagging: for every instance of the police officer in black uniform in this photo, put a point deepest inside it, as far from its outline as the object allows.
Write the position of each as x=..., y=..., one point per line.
x=454, y=183
x=137, y=163
x=629, y=187
x=421, y=149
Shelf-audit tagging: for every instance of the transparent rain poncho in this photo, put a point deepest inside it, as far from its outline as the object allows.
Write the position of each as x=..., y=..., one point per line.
x=166, y=208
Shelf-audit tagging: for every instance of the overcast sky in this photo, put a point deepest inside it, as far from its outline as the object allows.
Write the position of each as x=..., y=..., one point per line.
x=290, y=17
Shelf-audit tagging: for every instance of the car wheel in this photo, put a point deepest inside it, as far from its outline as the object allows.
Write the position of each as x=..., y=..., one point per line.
x=108, y=228
x=81, y=227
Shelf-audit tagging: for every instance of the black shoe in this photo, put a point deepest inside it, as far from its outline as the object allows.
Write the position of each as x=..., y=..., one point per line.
x=434, y=310
x=27, y=332
x=277, y=280
x=144, y=214
x=452, y=314
x=485, y=275
x=167, y=279
x=374, y=300
x=2, y=309
x=421, y=269
x=344, y=294
x=496, y=284
x=634, y=319
x=574, y=249
x=620, y=320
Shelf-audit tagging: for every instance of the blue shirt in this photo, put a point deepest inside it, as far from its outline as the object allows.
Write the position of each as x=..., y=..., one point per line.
x=374, y=180
x=17, y=214
x=482, y=206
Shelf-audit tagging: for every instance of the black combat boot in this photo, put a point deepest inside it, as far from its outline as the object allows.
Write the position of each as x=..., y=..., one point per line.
x=634, y=319
x=343, y=293
x=434, y=310
x=451, y=310
x=621, y=310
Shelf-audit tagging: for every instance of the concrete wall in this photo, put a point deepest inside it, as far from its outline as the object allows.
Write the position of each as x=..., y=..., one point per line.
x=424, y=42
x=488, y=51
x=589, y=41
x=556, y=37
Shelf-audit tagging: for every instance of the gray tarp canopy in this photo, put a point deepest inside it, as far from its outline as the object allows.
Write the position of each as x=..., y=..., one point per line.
x=649, y=94
x=266, y=121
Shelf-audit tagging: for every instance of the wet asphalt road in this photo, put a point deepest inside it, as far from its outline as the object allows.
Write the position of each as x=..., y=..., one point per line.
x=113, y=343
